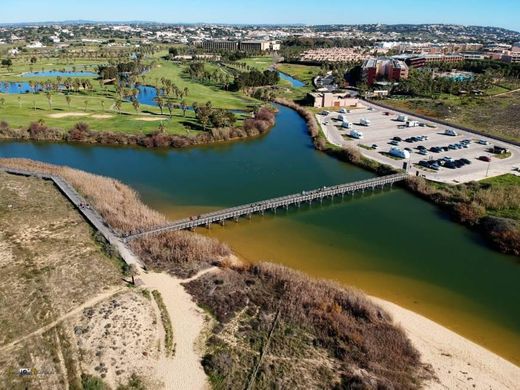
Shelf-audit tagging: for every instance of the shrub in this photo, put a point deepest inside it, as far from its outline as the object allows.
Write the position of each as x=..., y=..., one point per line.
x=360, y=336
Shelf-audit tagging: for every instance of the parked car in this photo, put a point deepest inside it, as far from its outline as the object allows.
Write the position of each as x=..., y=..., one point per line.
x=450, y=165
x=484, y=158
x=483, y=142
x=374, y=146
x=466, y=161
x=397, y=139
x=450, y=132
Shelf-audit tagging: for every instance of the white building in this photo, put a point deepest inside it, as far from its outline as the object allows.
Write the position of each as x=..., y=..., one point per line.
x=35, y=45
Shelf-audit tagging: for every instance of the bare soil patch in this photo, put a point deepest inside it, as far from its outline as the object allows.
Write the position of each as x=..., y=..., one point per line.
x=150, y=119
x=67, y=114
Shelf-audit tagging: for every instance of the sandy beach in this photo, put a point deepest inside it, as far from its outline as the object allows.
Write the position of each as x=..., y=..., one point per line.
x=457, y=362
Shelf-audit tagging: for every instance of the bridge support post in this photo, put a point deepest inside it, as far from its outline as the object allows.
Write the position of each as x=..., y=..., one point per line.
x=222, y=223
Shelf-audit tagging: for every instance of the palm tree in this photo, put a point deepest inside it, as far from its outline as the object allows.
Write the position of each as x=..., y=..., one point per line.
x=2, y=102
x=85, y=102
x=184, y=107
x=169, y=106
x=135, y=104
x=117, y=104
x=102, y=105
x=19, y=98
x=159, y=102
x=48, y=95
x=69, y=100
x=186, y=90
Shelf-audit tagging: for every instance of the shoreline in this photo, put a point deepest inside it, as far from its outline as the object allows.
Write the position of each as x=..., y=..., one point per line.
x=458, y=362
x=449, y=353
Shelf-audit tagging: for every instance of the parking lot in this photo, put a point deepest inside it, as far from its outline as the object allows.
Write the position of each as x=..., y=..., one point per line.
x=432, y=153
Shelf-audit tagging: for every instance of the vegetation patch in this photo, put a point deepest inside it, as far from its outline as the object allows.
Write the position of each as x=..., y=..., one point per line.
x=491, y=206
x=166, y=322
x=279, y=328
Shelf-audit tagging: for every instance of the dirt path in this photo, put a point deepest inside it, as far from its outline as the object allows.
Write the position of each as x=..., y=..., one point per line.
x=505, y=93
x=91, y=302
x=183, y=370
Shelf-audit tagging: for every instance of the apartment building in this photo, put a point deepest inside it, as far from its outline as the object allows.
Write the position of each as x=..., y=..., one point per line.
x=252, y=46
x=390, y=69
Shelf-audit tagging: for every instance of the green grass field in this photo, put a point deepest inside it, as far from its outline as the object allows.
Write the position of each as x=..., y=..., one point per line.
x=303, y=73
x=260, y=63
x=198, y=92
x=495, y=115
x=96, y=107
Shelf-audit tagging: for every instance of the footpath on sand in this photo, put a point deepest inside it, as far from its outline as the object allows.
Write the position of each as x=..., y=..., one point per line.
x=182, y=370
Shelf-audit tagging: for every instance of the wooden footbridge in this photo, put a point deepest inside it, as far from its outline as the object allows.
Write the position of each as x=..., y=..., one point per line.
x=247, y=210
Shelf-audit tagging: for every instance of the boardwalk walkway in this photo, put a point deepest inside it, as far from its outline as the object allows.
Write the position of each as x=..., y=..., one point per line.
x=261, y=207
x=233, y=213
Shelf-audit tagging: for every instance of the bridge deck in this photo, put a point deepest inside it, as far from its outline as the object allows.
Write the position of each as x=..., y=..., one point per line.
x=271, y=204
x=216, y=216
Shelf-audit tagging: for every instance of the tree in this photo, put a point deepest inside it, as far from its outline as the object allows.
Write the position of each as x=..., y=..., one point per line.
x=133, y=272
x=48, y=95
x=69, y=100
x=117, y=104
x=184, y=108
x=7, y=62
x=135, y=104
x=2, y=102
x=19, y=98
x=85, y=102
x=160, y=103
x=169, y=106
x=102, y=102
x=173, y=52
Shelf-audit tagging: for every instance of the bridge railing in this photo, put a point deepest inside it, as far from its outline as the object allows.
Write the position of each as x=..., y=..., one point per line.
x=271, y=204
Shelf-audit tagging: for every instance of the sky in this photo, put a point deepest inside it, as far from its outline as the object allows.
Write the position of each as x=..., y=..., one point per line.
x=499, y=13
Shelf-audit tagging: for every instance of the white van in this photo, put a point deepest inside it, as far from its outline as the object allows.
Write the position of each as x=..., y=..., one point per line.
x=412, y=123
x=356, y=134
x=451, y=132
x=364, y=122
x=397, y=152
x=402, y=118
x=346, y=125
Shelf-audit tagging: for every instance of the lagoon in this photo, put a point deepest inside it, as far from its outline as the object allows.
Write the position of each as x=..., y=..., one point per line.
x=390, y=244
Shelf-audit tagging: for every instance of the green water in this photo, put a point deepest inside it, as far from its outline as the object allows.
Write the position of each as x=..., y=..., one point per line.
x=390, y=244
